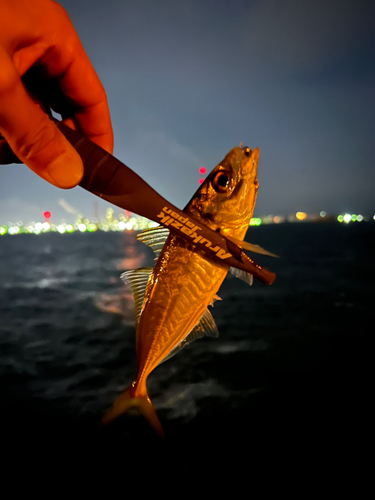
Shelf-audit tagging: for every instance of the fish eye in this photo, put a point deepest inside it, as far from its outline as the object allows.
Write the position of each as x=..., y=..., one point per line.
x=220, y=182
x=247, y=151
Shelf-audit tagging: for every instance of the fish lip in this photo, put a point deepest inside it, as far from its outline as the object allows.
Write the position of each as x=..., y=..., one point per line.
x=249, y=164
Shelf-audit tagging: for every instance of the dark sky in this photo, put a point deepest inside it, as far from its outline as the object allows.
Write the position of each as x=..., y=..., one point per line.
x=189, y=80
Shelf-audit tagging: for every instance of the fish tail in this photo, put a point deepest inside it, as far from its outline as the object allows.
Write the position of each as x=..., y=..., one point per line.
x=142, y=402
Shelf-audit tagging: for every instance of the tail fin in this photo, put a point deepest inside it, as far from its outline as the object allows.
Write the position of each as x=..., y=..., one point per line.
x=127, y=400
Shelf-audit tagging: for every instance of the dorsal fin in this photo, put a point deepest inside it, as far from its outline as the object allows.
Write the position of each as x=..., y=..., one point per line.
x=206, y=326
x=137, y=279
x=154, y=238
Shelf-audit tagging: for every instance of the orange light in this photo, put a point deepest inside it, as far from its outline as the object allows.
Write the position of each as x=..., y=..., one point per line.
x=301, y=215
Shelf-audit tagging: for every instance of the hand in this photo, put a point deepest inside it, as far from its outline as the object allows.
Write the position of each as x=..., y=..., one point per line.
x=43, y=65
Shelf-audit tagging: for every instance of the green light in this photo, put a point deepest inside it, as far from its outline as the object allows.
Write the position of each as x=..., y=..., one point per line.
x=340, y=218
x=3, y=230
x=354, y=217
x=92, y=227
x=258, y=221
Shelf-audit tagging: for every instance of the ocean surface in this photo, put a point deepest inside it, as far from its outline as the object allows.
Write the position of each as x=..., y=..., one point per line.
x=289, y=375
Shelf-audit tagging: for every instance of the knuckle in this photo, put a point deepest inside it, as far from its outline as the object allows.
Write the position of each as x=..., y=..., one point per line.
x=59, y=10
x=8, y=78
x=62, y=21
x=36, y=145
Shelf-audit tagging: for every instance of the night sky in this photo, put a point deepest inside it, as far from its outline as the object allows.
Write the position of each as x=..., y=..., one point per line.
x=189, y=80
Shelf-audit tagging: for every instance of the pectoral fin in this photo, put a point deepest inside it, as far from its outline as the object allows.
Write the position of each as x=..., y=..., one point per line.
x=242, y=275
x=249, y=246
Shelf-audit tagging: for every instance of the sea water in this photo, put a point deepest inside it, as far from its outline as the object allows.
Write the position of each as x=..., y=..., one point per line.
x=290, y=362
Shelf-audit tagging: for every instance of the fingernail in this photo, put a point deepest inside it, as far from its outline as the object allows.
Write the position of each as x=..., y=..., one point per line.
x=66, y=170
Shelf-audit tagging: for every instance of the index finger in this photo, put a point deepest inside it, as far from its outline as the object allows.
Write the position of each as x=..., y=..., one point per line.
x=67, y=61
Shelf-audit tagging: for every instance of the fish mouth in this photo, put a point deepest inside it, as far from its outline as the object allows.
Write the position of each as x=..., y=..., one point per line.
x=249, y=164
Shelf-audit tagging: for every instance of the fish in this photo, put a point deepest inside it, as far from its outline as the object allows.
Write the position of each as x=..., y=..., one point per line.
x=172, y=298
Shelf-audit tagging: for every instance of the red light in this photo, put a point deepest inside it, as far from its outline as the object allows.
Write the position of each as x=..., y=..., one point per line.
x=201, y=181
x=47, y=215
x=202, y=170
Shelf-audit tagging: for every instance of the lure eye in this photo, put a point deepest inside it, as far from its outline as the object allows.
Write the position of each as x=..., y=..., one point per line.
x=220, y=182
x=247, y=151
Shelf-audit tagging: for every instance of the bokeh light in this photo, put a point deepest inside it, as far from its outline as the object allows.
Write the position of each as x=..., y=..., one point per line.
x=301, y=215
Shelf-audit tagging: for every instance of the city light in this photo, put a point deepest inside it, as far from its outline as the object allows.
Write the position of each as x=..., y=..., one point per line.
x=301, y=215
x=352, y=218
x=202, y=171
x=91, y=227
x=129, y=222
